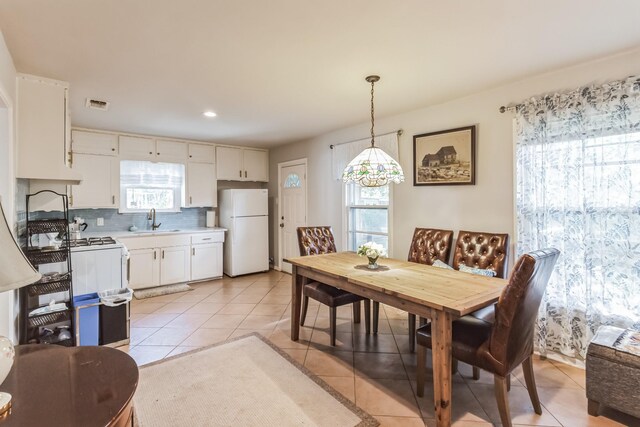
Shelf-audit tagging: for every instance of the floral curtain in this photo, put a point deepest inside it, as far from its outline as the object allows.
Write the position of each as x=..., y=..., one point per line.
x=578, y=190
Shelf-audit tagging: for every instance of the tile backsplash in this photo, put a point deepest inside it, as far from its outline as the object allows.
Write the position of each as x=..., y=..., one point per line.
x=114, y=221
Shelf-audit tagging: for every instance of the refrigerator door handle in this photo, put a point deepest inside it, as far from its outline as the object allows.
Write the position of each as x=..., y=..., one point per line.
x=233, y=220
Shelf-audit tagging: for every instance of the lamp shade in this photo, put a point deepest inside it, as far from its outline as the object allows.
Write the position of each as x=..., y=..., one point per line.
x=373, y=168
x=15, y=269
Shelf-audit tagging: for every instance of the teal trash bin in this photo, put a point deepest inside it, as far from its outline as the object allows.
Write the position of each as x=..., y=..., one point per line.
x=88, y=319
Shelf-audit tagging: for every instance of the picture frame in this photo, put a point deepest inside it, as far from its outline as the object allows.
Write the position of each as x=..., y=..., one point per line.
x=446, y=157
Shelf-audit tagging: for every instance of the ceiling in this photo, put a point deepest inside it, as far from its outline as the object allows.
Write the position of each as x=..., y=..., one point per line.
x=285, y=70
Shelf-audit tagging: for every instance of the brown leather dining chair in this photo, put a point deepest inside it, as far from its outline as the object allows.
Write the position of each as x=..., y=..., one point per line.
x=319, y=240
x=427, y=246
x=502, y=345
x=487, y=251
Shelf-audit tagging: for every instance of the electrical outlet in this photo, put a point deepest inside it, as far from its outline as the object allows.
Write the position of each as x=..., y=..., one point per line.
x=100, y=222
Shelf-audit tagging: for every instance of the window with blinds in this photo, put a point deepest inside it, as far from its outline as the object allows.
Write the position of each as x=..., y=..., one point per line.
x=146, y=185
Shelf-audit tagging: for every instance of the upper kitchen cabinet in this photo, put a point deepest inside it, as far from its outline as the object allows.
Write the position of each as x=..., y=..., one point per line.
x=202, y=189
x=256, y=165
x=137, y=148
x=242, y=164
x=43, y=130
x=100, y=186
x=201, y=153
x=171, y=151
x=89, y=142
x=95, y=156
x=154, y=150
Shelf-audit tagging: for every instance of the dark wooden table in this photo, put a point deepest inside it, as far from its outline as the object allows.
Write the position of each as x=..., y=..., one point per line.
x=78, y=386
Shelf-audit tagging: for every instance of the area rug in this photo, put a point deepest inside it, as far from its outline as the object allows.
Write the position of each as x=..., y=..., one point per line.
x=247, y=381
x=161, y=290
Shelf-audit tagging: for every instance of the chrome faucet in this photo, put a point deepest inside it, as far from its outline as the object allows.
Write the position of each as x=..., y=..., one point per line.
x=152, y=217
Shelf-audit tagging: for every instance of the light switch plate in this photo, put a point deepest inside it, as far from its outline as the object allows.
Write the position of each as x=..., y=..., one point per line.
x=100, y=222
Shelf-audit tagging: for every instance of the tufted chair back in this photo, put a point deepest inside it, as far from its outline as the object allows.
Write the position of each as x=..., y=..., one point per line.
x=316, y=240
x=429, y=245
x=482, y=250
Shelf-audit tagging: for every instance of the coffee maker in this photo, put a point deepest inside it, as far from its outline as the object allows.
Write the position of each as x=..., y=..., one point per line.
x=76, y=227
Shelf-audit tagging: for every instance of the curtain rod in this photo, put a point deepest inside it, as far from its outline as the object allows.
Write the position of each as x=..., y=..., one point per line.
x=398, y=132
x=510, y=108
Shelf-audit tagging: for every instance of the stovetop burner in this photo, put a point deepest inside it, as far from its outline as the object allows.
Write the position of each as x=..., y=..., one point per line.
x=92, y=241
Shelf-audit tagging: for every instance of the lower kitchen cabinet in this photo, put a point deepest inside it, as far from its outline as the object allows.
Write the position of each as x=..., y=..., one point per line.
x=144, y=268
x=206, y=261
x=174, y=265
x=173, y=258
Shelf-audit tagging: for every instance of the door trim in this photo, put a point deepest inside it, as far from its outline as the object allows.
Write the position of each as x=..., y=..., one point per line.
x=303, y=162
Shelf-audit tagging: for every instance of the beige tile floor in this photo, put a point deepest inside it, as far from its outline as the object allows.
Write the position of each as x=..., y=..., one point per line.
x=375, y=372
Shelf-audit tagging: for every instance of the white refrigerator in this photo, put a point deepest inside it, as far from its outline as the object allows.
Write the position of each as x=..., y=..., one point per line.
x=244, y=213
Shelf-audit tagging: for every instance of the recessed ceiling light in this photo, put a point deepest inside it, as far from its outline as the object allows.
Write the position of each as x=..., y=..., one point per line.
x=209, y=114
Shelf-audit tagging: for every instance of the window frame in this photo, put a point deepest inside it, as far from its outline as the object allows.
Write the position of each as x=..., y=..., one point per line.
x=345, y=218
x=179, y=193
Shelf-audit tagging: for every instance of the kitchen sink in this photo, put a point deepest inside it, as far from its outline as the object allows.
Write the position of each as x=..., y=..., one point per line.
x=156, y=231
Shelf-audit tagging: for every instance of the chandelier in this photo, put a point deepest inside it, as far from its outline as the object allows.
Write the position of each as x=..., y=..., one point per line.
x=373, y=167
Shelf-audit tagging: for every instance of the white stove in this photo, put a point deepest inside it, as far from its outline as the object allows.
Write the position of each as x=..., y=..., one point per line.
x=93, y=243
x=98, y=264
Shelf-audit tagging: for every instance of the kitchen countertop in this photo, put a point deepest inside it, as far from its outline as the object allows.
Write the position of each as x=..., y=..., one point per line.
x=142, y=233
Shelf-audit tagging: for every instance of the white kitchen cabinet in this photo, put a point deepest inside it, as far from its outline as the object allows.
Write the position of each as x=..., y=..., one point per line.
x=43, y=129
x=153, y=150
x=157, y=260
x=137, y=148
x=100, y=186
x=242, y=164
x=175, y=263
x=86, y=142
x=256, y=165
x=201, y=185
x=229, y=163
x=202, y=153
x=144, y=268
x=171, y=151
x=169, y=258
x=206, y=261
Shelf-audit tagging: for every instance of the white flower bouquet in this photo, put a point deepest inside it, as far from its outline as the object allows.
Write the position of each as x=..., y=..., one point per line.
x=372, y=251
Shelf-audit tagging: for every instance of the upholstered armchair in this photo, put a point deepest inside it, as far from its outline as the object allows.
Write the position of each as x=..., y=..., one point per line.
x=315, y=241
x=506, y=341
x=427, y=246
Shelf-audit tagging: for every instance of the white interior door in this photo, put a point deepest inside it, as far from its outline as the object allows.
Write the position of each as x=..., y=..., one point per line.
x=293, y=209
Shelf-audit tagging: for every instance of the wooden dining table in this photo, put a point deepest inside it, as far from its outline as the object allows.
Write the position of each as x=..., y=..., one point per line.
x=441, y=295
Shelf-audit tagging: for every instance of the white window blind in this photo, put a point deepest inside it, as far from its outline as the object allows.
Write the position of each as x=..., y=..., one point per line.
x=146, y=185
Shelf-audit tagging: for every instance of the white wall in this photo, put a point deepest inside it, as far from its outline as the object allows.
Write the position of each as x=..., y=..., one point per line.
x=7, y=174
x=486, y=206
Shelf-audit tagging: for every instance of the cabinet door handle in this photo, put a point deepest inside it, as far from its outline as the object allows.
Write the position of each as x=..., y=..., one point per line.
x=113, y=149
x=240, y=173
x=150, y=152
x=193, y=251
x=207, y=238
x=155, y=256
x=190, y=200
x=113, y=200
x=163, y=254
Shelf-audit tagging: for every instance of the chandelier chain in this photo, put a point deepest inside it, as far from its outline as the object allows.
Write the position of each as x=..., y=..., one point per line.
x=372, y=111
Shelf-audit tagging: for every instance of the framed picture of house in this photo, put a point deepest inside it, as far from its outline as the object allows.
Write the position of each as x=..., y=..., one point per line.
x=446, y=157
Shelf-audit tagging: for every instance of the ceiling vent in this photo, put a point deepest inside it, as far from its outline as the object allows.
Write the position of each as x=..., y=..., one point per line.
x=96, y=104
